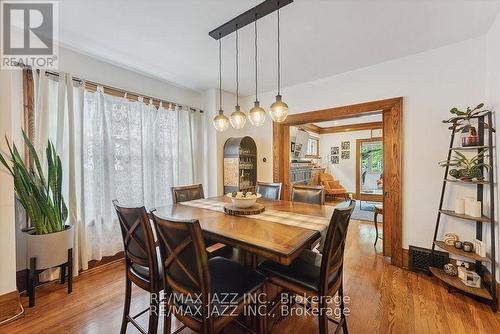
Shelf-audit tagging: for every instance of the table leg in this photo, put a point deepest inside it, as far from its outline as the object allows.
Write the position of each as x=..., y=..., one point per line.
x=376, y=228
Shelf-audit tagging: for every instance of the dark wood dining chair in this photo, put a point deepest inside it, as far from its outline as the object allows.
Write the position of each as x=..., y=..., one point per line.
x=190, y=193
x=308, y=194
x=187, y=193
x=316, y=275
x=197, y=287
x=142, y=264
x=269, y=190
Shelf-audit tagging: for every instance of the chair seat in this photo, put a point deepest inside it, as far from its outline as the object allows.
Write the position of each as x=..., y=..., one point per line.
x=303, y=271
x=230, y=282
x=228, y=276
x=143, y=271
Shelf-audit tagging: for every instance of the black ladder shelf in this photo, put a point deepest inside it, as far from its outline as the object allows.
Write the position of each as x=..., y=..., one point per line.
x=488, y=291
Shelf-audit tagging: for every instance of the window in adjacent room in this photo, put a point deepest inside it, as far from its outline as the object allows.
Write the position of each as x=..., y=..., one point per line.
x=312, y=147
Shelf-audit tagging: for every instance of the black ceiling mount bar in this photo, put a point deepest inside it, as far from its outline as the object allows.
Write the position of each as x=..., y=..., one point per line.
x=250, y=16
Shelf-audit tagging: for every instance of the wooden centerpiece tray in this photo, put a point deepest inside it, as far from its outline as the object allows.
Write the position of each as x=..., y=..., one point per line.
x=232, y=210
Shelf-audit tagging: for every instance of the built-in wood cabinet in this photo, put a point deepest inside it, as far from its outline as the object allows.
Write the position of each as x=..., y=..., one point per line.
x=240, y=164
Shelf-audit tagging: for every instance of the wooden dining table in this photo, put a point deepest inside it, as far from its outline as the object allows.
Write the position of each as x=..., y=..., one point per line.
x=275, y=241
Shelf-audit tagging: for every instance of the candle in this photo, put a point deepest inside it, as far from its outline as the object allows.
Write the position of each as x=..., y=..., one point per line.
x=475, y=209
x=460, y=206
x=468, y=201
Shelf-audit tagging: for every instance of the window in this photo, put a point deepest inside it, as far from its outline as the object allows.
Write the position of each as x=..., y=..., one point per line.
x=312, y=147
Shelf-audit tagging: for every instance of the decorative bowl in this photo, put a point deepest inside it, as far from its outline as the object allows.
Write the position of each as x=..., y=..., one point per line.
x=243, y=202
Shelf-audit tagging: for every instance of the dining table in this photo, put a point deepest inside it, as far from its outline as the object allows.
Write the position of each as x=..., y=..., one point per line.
x=280, y=233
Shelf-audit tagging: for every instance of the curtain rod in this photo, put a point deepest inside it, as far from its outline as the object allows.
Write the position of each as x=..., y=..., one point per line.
x=91, y=85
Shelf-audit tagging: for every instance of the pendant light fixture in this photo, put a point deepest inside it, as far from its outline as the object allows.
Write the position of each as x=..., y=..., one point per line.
x=238, y=118
x=221, y=122
x=257, y=114
x=279, y=109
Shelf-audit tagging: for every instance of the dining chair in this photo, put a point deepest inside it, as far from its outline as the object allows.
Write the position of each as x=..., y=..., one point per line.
x=318, y=275
x=142, y=263
x=204, y=294
x=187, y=193
x=308, y=194
x=269, y=190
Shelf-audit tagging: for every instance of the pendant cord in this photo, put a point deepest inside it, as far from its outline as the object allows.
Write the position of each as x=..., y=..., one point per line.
x=220, y=73
x=237, y=69
x=256, y=73
x=279, y=63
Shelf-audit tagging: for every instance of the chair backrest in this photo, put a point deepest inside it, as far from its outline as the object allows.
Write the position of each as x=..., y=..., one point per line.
x=325, y=177
x=187, y=193
x=184, y=258
x=333, y=250
x=269, y=190
x=308, y=194
x=138, y=238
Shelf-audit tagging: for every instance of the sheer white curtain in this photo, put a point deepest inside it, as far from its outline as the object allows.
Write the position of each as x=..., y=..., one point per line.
x=132, y=152
x=58, y=110
x=114, y=148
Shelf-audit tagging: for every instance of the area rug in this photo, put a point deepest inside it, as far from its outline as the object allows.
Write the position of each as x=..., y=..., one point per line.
x=364, y=211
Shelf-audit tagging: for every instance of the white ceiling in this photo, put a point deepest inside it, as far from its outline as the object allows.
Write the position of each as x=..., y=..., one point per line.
x=169, y=39
x=353, y=120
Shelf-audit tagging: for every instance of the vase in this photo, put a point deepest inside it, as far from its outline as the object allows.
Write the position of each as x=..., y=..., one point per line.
x=470, y=136
x=50, y=250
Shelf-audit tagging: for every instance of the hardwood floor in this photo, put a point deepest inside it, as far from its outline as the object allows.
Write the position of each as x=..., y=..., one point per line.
x=384, y=299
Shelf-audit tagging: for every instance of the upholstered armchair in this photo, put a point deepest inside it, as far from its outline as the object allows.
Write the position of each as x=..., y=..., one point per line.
x=332, y=187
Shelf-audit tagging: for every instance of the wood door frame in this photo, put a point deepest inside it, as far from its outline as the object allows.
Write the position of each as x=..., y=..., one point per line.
x=392, y=125
x=359, y=195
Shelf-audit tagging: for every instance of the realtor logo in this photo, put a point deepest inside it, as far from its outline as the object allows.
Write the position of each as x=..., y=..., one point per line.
x=29, y=30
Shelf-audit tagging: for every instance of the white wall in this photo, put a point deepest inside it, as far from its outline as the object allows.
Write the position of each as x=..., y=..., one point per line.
x=93, y=69
x=10, y=123
x=431, y=83
x=211, y=107
x=493, y=94
x=345, y=170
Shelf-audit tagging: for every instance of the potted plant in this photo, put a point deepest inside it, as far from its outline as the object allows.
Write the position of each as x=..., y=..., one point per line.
x=49, y=241
x=462, y=122
x=467, y=169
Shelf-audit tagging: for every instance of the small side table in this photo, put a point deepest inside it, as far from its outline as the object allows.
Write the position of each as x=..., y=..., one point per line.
x=379, y=210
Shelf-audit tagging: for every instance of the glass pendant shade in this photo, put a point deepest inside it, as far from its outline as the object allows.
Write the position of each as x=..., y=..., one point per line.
x=257, y=114
x=279, y=110
x=238, y=118
x=221, y=122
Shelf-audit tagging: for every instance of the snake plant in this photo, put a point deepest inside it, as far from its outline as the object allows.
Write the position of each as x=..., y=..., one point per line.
x=39, y=194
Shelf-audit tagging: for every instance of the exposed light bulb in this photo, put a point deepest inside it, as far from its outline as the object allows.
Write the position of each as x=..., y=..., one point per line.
x=221, y=122
x=238, y=118
x=279, y=110
x=257, y=114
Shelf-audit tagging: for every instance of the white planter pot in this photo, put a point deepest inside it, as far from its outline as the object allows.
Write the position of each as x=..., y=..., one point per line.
x=50, y=250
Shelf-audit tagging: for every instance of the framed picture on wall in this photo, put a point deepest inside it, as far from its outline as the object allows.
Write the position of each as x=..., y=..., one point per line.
x=334, y=159
x=334, y=150
x=346, y=155
x=345, y=145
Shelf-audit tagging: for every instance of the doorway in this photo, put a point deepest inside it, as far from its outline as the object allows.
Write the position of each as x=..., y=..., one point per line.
x=370, y=169
x=392, y=116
